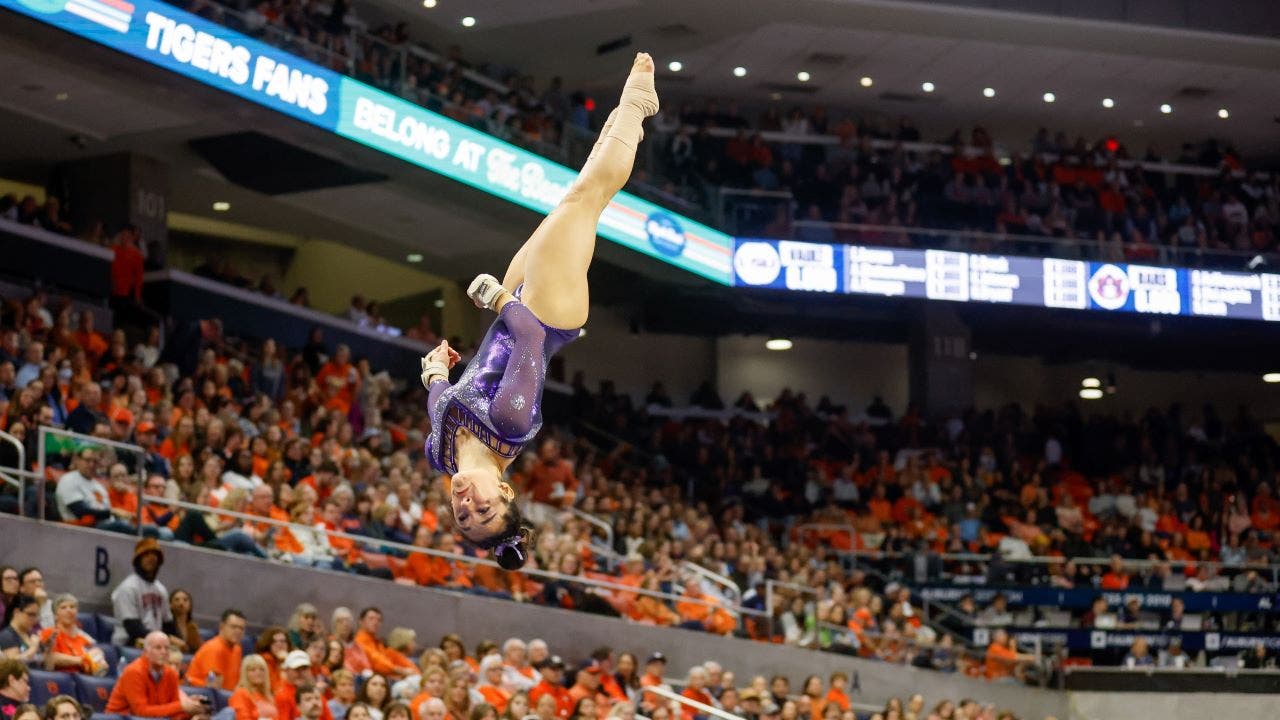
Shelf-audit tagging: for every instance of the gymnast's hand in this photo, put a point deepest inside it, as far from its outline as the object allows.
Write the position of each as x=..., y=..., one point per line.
x=438, y=362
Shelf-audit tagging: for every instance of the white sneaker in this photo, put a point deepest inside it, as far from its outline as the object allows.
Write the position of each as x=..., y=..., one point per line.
x=484, y=291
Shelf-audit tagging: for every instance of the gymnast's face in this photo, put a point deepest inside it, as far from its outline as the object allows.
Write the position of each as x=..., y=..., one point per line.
x=480, y=499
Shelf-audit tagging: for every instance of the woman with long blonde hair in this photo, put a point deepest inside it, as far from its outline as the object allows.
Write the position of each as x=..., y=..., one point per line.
x=253, y=698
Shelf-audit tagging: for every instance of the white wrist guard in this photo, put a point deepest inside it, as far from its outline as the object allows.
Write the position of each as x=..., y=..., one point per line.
x=433, y=368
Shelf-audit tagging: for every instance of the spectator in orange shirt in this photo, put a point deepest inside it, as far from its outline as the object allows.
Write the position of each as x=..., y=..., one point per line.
x=695, y=690
x=517, y=673
x=89, y=339
x=68, y=648
x=490, y=685
x=702, y=610
x=1116, y=578
x=341, y=375
x=654, y=667
x=148, y=686
x=836, y=694
x=551, y=480
x=552, y=684
x=879, y=505
x=126, y=265
x=217, y=662
x=296, y=676
x=253, y=698
x=434, y=681
x=1003, y=658
x=382, y=659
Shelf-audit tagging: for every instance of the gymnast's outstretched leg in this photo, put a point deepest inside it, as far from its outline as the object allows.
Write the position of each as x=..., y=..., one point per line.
x=553, y=262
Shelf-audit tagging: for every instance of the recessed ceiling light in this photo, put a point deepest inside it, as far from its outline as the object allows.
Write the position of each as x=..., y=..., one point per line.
x=1091, y=393
x=1091, y=382
x=64, y=96
x=778, y=344
x=439, y=302
x=1166, y=108
x=775, y=96
x=988, y=92
x=865, y=81
x=675, y=66
x=802, y=76
x=739, y=71
x=1108, y=103
x=1222, y=113
x=926, y=86
x=221, y=206
x=414, y=257
x=1050, y=97
x=428, y=4
x=468, y=21
x=1273, y=377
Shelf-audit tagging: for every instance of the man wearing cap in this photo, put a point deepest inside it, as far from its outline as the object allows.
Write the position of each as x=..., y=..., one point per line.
x=154, y=463
x=490, y=685
x=148, y=686
x=141, y=602
x=295, y=672
x=749, y=705
x=587, y=684
x=552, y=684
x=654, y=667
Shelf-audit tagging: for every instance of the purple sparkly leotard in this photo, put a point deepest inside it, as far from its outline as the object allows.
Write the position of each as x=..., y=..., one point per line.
x=499, y=396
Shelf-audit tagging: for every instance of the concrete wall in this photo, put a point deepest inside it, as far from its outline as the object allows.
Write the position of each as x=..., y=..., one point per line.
x=1170, y=706
x=89, y=563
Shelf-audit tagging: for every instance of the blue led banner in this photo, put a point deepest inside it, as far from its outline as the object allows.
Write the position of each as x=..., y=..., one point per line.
x=216, y=56
x=1119, y=640
x=1081, y=598
x=1004, y=279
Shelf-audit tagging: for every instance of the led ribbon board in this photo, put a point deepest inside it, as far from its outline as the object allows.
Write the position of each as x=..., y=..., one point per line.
x=222, y=58
x=1005, y=280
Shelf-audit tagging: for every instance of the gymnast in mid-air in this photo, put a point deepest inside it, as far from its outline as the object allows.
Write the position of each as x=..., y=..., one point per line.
x=480, y=423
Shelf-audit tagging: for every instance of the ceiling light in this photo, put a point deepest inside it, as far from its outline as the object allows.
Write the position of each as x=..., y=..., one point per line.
x=428, y=4
x=865, y=81
x=675, y=66
x=468, y=21
x=1050, y=97
x=1271, y=377
x=1222, y=113
x=778, y=344
x=439, y=302
x=1166, y=108
x=222, y=206
x=739, y=71
x=988, y=92
x=1091, y=382
x=1091, y=393
x=926, y=86
x=414, y=257
x=775, y=96
x=1108, y=103
x=64, y=96
x=802, y=76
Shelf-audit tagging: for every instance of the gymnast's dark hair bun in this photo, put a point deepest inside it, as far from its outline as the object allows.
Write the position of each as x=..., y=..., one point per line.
x=513, y=552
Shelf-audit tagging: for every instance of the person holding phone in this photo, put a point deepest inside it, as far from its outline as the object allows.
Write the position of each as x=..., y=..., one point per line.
x=481, y=423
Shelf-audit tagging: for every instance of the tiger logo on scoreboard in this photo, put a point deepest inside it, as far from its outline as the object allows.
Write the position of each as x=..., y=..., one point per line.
x=1109, y=287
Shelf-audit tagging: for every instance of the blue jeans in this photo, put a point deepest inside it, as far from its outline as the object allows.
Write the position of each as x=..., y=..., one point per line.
x=238, y=541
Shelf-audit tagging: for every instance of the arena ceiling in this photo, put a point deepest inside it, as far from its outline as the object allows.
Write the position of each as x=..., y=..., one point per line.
x=900, y=45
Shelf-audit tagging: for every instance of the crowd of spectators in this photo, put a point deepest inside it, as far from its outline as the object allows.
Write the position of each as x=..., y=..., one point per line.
x=1055, y=189
x=166, y=666
x=317, y=437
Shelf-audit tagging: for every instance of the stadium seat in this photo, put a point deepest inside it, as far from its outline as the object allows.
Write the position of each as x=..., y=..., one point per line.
x=45, y=685
x=207, y=633
x=106, y=716
x=112, y=655
x=93, y=692
x=105, y=625
x=89, y=623
x=221, y=698
x=247, y=642
x=208, y=694
x=129, y=654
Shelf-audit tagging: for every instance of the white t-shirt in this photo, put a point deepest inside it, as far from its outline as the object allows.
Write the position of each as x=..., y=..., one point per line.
x=136, y=598
x=74, y=487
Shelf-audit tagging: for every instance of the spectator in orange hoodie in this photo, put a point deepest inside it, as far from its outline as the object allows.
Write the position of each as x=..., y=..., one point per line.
x=490, y=685
x=382, y=659
x=148, y=686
